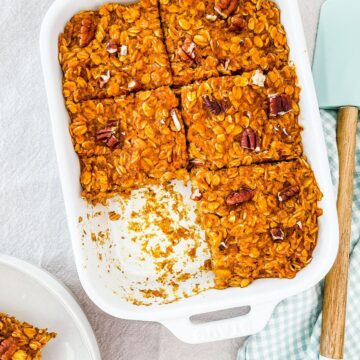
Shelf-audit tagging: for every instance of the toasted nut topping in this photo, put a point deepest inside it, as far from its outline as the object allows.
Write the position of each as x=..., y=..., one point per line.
x=237, y=24
x=112, y=46
x=258, y=78
x=225, y=63
x=123, y=50
x=277, y=234
x=196, y=195
x=134, y=85
x=8, y=348
x=249, y=139
x=240, y=196
x=225, y=7
x=104, y=79
x=175, y=119
x=211, y=17
x=279, y=104
x=288, y=193
x=108, y=135
x=87, y=30
x=214, y=106
x=188, y=50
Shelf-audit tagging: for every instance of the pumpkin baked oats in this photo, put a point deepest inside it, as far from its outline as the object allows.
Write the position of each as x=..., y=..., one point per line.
x=21, y=341
x=113, y=51
x=128, y=142
x=260, y=220
x=244, y=119
x=207, y=38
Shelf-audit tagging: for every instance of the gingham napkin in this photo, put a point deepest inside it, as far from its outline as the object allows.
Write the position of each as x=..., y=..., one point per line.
x=293, y=332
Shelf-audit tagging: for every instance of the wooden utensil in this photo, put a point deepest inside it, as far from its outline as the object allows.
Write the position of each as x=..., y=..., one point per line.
x=337, y=79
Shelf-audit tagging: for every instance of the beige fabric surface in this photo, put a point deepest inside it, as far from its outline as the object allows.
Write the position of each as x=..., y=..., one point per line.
x=32, y=218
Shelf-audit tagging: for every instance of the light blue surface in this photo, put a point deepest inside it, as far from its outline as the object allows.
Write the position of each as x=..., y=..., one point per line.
x=336, y=62
x=293, y=333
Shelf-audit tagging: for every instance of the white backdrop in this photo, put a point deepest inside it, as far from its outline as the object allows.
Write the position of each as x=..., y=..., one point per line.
x=32, y=218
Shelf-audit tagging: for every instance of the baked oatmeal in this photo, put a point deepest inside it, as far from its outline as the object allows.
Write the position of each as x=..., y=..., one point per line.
x=207, y=38
x=20, y=340
x=113, y=51
x=128, y=142
x=244, y=119
x=260, y=220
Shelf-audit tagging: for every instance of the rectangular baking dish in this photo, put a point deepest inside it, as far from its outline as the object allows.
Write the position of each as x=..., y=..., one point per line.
x=263, y=295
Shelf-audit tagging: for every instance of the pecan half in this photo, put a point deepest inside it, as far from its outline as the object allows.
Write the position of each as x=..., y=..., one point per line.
x=279, y=104
x=87, y=30
x=288, y=193
x=277, y=234
x=225, y=7
x=237, y=24
x=8, y=348
x=214, y=106
x=238, y=197
x=249, y=139
x=188, y=50
x=109, y=134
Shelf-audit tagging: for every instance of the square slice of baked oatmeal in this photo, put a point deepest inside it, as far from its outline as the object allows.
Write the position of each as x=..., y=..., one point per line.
x=112, y=51
x=260, y=220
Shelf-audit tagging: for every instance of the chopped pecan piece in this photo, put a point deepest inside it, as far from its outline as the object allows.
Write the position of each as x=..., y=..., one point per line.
x=188, y=50
x=279, y=104
x=214, y=106
x=225, y=7
x=288, y=193
x=237, y=24
x=109, y=135
x=175, y=119
x=134, y=85
x=8, y=348
x=277, y=234
x=249, y=139
x=87, y=30
x=196, y=195
x=104, y=78
x=112, y=46
x=238, y=197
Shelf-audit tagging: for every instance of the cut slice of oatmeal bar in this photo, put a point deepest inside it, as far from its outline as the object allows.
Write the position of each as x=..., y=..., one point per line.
x=20, y=340
x=244, y=119
x=128, y=142
x=207, y=38
x=260, y=220
x=113, y=51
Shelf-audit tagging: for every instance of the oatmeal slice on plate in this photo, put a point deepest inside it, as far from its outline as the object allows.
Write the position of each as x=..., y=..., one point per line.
x=128, y=142
x=21, y=341
x=260, y=220
x=207, y=38
x=113, y=51
x=244, y=119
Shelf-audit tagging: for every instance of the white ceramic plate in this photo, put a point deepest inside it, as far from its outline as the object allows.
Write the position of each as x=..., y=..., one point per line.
x=31, y=294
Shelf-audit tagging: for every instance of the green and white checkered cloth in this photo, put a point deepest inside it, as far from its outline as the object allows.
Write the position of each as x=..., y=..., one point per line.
x=293, y=333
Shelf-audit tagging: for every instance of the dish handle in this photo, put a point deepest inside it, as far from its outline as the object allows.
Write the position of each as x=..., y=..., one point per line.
x=251, y=323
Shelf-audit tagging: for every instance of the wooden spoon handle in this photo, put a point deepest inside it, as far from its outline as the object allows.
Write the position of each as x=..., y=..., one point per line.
x=334, y=303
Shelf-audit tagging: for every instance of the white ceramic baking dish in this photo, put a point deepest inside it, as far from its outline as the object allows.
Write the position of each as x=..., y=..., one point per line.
x=263, y=295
